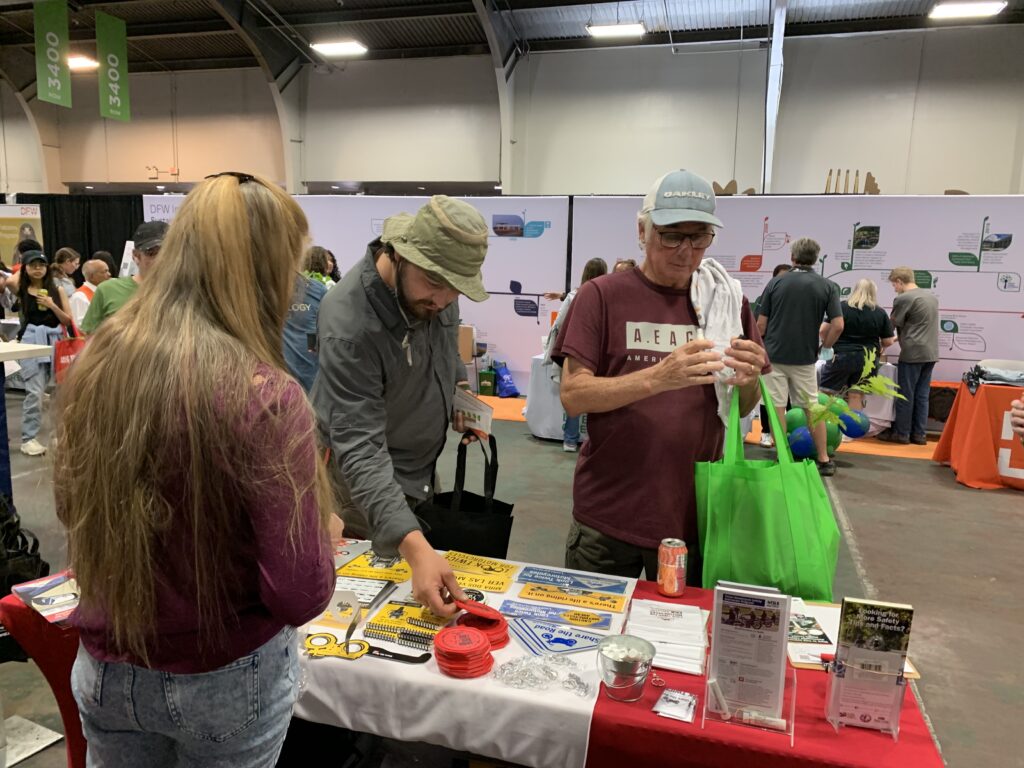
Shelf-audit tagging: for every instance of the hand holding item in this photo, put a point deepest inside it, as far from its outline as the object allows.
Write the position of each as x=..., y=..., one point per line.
x=746, y=358
x=1017, y=418
x=692, y=364
x=433, y=582
x=459, y=425
x=335, y=528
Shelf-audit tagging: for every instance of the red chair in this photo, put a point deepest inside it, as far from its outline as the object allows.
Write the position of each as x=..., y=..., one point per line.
x=53, y=648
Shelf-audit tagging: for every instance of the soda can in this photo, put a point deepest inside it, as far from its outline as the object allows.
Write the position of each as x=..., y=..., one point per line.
x=672, y=567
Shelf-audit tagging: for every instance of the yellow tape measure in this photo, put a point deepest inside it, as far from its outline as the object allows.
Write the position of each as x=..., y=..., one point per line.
x=326, y=644
x=322, y=644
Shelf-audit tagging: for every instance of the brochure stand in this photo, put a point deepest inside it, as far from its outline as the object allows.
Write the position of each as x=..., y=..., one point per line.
x=784, y=726
x=865, y=698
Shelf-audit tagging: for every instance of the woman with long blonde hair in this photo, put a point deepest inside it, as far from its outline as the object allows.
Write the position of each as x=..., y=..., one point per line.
x=197, y=510
x=866, y=327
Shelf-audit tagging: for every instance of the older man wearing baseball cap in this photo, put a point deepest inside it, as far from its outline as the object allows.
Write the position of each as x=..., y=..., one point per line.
x=114, y=294
x=389, y=366
x=654, y=355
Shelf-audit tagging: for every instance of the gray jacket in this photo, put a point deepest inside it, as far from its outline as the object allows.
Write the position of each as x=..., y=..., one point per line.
x=383, y=408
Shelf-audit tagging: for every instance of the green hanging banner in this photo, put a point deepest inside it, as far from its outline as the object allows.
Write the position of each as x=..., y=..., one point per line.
x=53, y=77
x=112, y=51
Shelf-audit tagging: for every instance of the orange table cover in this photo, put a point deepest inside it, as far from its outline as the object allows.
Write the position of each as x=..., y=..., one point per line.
x=977, y=441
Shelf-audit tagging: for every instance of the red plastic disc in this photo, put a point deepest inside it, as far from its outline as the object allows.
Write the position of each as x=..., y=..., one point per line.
x=479, y=609
x=495, y=631
x=461, y=641
x=463, y=651
x=467, y=671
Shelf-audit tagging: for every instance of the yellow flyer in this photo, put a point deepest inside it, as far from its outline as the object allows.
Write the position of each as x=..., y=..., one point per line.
x=369, y=566
x=501, y=583
x=577, y=598
x=460, y=561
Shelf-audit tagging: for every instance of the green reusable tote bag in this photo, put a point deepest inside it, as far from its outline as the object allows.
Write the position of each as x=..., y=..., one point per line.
x=767, y=523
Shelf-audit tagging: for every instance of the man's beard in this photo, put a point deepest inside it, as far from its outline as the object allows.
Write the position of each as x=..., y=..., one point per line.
x=420, y=310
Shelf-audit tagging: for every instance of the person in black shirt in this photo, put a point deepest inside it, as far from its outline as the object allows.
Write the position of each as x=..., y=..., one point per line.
x=766, y=430
x=790, y=313
x=866, y=327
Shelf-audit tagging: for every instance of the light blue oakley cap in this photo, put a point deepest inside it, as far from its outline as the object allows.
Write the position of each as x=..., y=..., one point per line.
x=680, y=196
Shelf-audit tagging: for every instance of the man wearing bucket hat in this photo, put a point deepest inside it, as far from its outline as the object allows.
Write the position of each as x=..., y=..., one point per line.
x=389, y=365
x=653, y=356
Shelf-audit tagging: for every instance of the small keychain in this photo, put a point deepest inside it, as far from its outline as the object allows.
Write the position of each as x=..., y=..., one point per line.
x=657, y=680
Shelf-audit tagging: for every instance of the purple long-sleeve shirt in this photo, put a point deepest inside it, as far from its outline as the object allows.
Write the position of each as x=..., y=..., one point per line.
x=275, y=582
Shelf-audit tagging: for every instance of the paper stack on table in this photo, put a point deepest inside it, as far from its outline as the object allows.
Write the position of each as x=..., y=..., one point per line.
x=676, y=631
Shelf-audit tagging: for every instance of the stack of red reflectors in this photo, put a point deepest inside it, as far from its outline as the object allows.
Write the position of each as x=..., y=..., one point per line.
x=463, y=652
x=487, y=620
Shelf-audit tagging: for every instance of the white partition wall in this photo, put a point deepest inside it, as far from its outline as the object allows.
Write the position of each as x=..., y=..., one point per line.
x=968, y=250
x=526, y=257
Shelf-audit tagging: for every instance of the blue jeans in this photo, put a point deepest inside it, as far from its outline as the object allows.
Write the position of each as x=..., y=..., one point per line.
x=571, y=430
x=915, y=380
x=230, y=717
x=32, y=406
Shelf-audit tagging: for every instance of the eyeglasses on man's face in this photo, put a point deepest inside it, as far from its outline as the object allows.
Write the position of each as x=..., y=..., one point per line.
x=672, y=239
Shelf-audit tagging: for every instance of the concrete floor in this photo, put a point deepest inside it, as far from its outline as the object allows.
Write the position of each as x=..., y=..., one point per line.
x=911, y=534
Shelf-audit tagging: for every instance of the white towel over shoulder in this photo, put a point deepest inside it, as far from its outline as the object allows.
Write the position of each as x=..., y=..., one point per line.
x=718, y=300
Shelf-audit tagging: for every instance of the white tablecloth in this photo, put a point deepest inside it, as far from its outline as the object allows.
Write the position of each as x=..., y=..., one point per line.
x=416, y=702
x=543, y=412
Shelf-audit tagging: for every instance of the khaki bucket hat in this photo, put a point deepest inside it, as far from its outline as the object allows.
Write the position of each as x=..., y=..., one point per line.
x=447, y=237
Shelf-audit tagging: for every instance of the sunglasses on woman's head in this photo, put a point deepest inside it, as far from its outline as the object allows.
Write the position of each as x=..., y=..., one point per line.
x=243, y=178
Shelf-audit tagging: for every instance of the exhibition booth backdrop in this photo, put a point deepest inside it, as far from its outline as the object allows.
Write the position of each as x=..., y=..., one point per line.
x=526, y=257
x=962, y=248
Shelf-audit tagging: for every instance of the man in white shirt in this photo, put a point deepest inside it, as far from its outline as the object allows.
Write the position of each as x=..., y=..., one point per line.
x=95, y=272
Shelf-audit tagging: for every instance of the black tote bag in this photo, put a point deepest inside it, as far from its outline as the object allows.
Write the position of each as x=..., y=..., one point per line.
x=465, y=521
x=20, y=560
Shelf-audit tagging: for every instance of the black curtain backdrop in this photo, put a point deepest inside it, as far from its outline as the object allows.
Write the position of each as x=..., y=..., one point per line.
x=87, y=223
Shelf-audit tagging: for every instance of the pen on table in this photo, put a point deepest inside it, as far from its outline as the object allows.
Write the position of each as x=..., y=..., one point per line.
x=753, y=717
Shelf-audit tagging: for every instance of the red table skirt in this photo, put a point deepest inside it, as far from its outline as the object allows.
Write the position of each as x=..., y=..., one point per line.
x=53, y=648
x=632, y=736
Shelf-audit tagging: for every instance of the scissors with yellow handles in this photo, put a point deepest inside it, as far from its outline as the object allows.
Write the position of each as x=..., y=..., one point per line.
x=323, y=644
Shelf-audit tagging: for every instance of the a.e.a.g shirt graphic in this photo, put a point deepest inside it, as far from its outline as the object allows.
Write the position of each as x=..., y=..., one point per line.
x=634, y=478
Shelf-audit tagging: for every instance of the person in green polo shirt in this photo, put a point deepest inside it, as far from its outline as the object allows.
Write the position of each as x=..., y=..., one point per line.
x=111, y=295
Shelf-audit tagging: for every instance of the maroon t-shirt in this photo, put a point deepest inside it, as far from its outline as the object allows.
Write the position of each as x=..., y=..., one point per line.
x=634, y=476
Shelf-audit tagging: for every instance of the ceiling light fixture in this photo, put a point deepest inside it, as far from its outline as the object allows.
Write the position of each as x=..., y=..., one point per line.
x=88, y=187
x=965, y=10
x=340, y=48
x=82, y=63
x=161, y=187
x=616, y=30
